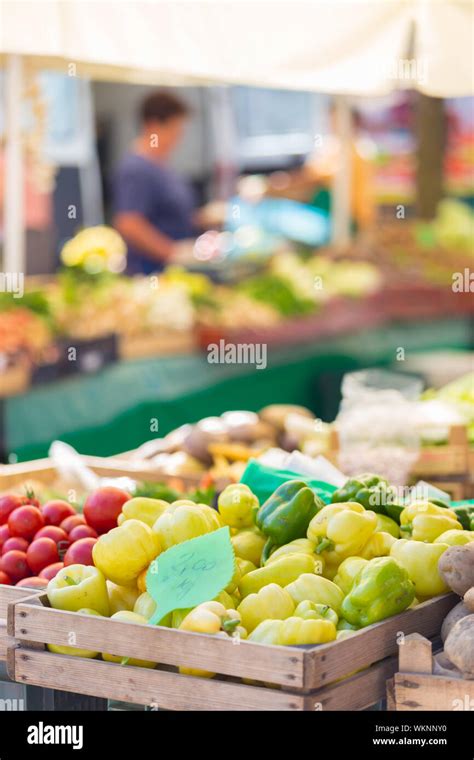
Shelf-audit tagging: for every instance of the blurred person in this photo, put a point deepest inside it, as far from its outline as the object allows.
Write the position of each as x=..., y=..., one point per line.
x=154, y=207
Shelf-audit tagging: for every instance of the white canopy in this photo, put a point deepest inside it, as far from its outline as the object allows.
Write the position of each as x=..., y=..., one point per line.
x=358, y=47
x=343, y=47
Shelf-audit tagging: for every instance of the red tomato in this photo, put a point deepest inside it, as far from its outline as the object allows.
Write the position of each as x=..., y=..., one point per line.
x=51, y=571
x=54, y=532
x=15, y=565
x=41, y=553
x=29, y=498
x=34, y=582
x=80, y=552
x=103, y=506
x=8, y=503
x=82, y=531
x=5, y=579
x=15, y=542
x=4, y=534
x=54, y=512
x=25, y=521
x=70, y=522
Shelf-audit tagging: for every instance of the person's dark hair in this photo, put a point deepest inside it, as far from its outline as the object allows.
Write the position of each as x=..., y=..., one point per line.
x=162, y=106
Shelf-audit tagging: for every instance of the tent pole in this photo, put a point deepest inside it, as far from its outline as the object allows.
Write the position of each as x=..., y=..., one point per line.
x=14, y=251
x=342, y=180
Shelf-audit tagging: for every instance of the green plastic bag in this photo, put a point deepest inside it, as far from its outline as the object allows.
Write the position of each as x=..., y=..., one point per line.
x=263, y=481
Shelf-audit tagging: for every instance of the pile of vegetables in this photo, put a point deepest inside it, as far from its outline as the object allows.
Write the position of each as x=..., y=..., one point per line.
x=305, y=572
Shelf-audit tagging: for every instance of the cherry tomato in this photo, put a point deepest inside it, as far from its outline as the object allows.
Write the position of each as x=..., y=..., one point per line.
x=70, y=522
x=8, y=503
x=80, y=552
x=82, y=531
x=51, y=570
x=15, y=542
x=54, y=512
x=4, y=534
x=41, y=553
x=103, y=506
x=15, y=565
x=25, y=522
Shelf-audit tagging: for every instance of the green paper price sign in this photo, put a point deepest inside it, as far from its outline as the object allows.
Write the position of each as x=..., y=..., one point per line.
x=190, y=573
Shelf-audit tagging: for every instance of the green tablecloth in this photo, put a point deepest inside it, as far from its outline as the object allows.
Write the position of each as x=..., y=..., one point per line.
x=116, y=410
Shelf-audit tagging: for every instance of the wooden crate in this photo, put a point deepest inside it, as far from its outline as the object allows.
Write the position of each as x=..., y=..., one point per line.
x=43, y=471
x=315, y=678
x=450, y=466
x=414, y=687
x=9, y=594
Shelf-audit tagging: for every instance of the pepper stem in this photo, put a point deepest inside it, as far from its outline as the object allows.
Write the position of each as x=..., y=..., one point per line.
x=230, y=625
x=324, y=544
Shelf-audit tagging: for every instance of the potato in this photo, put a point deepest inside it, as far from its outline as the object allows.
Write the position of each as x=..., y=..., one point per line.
x=459, y=646
x=275, y=414
x=456, y=567
x=457, y=613
x=469, y=599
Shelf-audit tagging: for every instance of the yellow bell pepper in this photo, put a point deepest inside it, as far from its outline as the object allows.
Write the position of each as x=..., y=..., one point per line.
x=378, y=545
x=237, y=506
x=317, y=589
x=212, y=618
x=298, y=546
x=311, y=611
x=270, y=602
x=424, y=521
x=244, y=565
x=387, y=525
x=420, y=560
x=79, y=586
x=144, y=509
x=73, y=651
x=123, y=552
x=146, y=606
x=266, y=632
x=348, y=569
x=455, y=537
x=283, y=571
x=125, y=616
x=295, y=631
x=248, y=544
x=341, y=530
x=121, y=597
x=183, y=521
x=234, y=581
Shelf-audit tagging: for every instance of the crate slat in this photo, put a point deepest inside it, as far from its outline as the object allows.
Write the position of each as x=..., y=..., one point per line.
x=414, y=691
x=279, y=665
x=331, y=661
x=414, y=687
x=143, y=686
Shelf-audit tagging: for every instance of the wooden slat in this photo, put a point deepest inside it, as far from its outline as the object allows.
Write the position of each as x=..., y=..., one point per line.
x=426, y=692
x=330, y=661
x=280, y=665
x=415, y=655
x=156, y=688
x=357, y=692
x=10, y=594
x=42, y=470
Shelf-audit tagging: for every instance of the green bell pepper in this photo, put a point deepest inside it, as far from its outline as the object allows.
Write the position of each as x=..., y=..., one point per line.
x=286, y=515
x=372, y=492
x=381, y=589
x=465, y=515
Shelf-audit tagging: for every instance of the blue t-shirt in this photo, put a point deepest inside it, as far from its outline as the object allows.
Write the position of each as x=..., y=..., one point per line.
x=155, y=190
